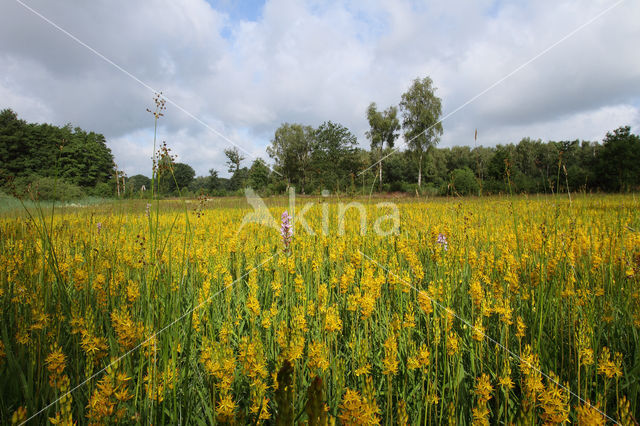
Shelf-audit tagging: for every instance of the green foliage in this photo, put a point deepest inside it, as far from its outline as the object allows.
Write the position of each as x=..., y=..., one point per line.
x=233, y=159
x=383, y=130
x=333, y=157
x=259, y=175
x=178, y=177
x=239, y=179
x=137, y=182
x=464, y=182
x=328, y=157
x=47, y=188
x=291, y=148
x=383, y=126
x=80, y=158
x=102, y=190
x=619, y=160
x=421, y=111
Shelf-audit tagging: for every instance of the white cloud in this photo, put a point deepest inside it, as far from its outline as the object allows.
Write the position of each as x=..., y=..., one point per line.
x=589, y=125
x=314, y=61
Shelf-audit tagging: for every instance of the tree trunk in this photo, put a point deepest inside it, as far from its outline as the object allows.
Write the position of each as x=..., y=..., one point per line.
x=420, y=172
x=380, y=174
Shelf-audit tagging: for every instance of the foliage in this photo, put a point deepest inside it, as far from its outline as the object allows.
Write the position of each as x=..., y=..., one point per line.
x=619, y=160
x=80, y=158
x=239, y=179
x=291, y=148
x=258, y=177
x=333, y=157
x=47, y=188
x=102, y=190
x=177, y=177
x=136, y=183
x=421, y=111
x=233, y=159
x=383, y=131
x=464, y=182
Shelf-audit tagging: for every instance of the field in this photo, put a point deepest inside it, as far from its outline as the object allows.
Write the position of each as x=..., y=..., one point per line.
x=486, y=310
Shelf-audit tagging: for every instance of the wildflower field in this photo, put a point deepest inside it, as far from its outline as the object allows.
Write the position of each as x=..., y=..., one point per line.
x=485, y=310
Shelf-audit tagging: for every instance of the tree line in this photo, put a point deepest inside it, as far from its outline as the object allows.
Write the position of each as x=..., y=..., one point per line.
x=55, y=162
x=313, y=160
x=328, y=157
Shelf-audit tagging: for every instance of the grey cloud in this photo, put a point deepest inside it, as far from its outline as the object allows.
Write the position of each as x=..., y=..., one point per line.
x=311, y=62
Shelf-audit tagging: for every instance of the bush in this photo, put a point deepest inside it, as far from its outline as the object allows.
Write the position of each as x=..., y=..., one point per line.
x=523, y=183
x=398, y=186
x=55, y=190
x=429, y=190
x=464, y=182
x=278, y=187
x=102, y=190
x=493, y=186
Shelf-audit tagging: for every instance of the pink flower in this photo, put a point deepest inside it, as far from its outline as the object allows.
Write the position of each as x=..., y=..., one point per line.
x=285, y=229
x=442, y=240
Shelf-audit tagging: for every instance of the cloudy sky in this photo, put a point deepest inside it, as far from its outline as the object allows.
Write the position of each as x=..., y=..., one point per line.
x=233, y=71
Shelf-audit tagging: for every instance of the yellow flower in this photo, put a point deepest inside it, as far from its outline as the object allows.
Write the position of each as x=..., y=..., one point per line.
x=318, y=356
x=226, y=408
x=452, y=344
x=390, y=361
x=589, y=415
x=483, y=388
x=333, y=322
x=425, y=302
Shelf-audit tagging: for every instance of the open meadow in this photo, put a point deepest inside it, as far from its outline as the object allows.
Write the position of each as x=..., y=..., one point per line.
x=393, y=311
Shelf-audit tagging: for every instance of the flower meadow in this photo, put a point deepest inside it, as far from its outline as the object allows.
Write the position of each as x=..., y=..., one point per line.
x=475, y=310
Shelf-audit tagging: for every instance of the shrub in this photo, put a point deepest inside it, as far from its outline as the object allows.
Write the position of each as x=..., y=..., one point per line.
x=103, y=190
x=464, y=182
x=47, y=188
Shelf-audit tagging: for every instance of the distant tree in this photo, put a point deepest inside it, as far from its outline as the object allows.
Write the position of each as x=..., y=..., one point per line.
x=27, y=150
x=13, y=149
x=421, y=111
x=291, y=148
x=233, y=159
x=184, y=174
x=136, y=182
x=180, y=178
x=214, y=184
x=497, y=168
x=239, y=179
x=435, y=167
x=333, y=159
x=85, y=159
x=619, y=160
x=258, y=178
x=199, y=185
x=464, y=182
x=383, y=130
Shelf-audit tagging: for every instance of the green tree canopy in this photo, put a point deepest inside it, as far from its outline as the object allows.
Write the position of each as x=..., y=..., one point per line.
x=180, y=178
x=333, y=158
x=291, y=148
x=233, y=159
x=79, y=157
x=619, y=160
x=383, y=130
x=421, y=111
x=137, y=182
x=259, y=175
